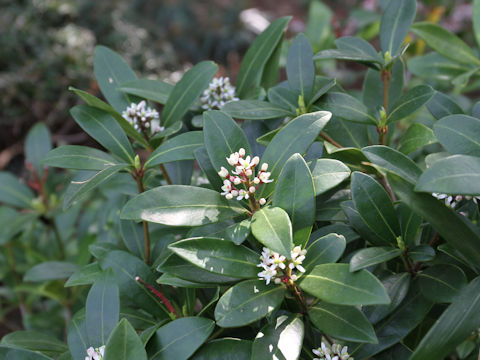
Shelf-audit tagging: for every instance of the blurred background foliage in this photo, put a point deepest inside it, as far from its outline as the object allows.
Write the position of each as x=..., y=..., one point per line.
x=47, y=45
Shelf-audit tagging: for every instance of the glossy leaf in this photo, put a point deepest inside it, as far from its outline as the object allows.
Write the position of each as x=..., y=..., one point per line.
x=416, y=137
x=454, y=325
x=79, y=158
x=111, y=71
x=180, y=338
x=34, y=341
x=254, y=110
x=222, y=137
x=295, y=137
x=247, y=302
x=445, y=43
x=186, y=91
x=442, y=283
x=180, y=205
x=281, y=339
x=295, y=193
x=272, y=227
x=338, y=228
x=102, y=309
x=328, y=173
x=357, y=222
x=422, y=252
x=410, y=223
x=346, y=107
x=180, y=147
x=218, y=256
x=300, y=67
x=334, y=283
x=238, y=232
x=258, y=55
x=133, y=238
x=203, y=160
x=77, y=336
x=226, y=348
x=459, y=134
x=50, y=270
x=327, y=249
x=372, y=256
x=410, y=102
x=375, y=207
x=85, y=275
x=342, y=322
x=396, y=22
x=13, y=192
x=155, y=90
x=103, y=128
x=457, y=174
x=124, y=344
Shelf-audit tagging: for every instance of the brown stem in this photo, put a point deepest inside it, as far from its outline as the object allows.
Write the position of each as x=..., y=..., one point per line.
x=160, y=295
x=387, y=187
x=330, y=140
x=165, y=174
x=146, y=234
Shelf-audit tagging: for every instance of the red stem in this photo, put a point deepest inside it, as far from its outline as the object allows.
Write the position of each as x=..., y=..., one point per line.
x=158, y=294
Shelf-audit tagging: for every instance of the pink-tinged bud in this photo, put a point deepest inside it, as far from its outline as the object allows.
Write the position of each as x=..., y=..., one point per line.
x=234, y=193
x=223, y=172
x=252, y=189
x=256, y=180
x=241, y=152
x=237, y=180
x=262, y=201
x=229, y=196
x=255, y=161
x=248, y=172
x=264, y=167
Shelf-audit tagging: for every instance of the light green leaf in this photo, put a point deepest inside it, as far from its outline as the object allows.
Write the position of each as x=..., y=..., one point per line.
x=37, y=143
x=476, y=20
x=416, y=137
x=328, y=173
x=436, y=66
x=124, y=344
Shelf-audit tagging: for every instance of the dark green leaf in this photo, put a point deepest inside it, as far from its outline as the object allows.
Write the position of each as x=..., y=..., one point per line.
x=284, y=98
x=435, y=66
x=77, y=339
x=346, y=107
x=300, y=67
x=422, y=253
x=85, y=275
x=442, y=283
x=272, y=227
x=372, y=88
x=34, y=341
x=476, y=21
x=441, y=105
x=50, y=270
x=321, y=87
x=8, y=353
x=227, y=348
x=410, y=223
x=396, y=22
x=327, y=249
x=124, y=344
x=37, y=143
x=180, y=147
x=13, y=192
x=459, y=134
x=372, y=256
x=247, y=302
x=133, y=238
x=238, y=232
x=416, y=137
x=342, y=322
x=255, y=110
x=357, y=222
x=258, y=55
x=338, y=228
x=281, y=339
x=203, y=160
x=180, y=338
x=155, y=90
x=410, y=102
x=328, y=173
x=79, y=158
x=334, y=283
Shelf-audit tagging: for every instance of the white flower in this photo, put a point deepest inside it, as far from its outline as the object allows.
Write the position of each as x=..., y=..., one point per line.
x=264, y=177
x=223, y=172
x=227, y=187
x=233, y=159
x=95, y=354
x=262, y=201
x=142, y=118
x=268, y=273
x=335, y=353
x=218, y=93
x=264, y=167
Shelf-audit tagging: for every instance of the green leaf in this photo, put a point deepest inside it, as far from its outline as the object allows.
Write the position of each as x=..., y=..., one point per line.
x=180, y=338
x=338, y=228
x=247, y=302
x=79, y=158
x=180, y=205
x=155, y=90
x=186, y=91
x=226, y=348
x=346, y=107
x=237, y=233
x=13, y=192
x=372, y=256
x=327, y=249
x=272, y=227
x=421, y=253
x=8, y=353
x=392, y=160
x=295, y=137
x=258, y=55
x=459, y=232
x=283, y=97
x=203, y=160
x=445, y=43
x=85, y=275
x=272, y=67
x=321, y=87
x=77, y=190
x=410, y=223
x=334, y=283
x=50, y=270
x=77, y=337
x=300, y=67
x=295, y=193
x=124, y=344
x=180, y=147
x=255, y=110
x=111, y=71
x=133, y=238
x=102, y=309
x=457, y=174
x=441, y=105
x=375, y=207
x=37, y=143
x=476, y=21
x=416, y=137
x=218, y=256
x=281, y=339
x=342, y=322
x=372, y=88
x=222, y=137
x=442, y=283
x=34, y=341
x=328, y=173
x=13, y=222
x=357, y=222
x=410, y=102
x=396, y=22
x=102, y=127
x=454, y=325
x=459, y=134
x=436, y=66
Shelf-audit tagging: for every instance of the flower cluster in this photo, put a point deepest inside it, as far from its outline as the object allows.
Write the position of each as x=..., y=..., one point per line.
x=218, y=93
x=143, y=118
x=242, y=182
x=336, y=352
x=278, y=267
x=95, y=354
x=453, y=200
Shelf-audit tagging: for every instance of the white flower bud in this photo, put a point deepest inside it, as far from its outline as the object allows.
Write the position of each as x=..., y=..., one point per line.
x=234, y=193
x=237, y=180
x=241, y=152
x=255, y=161
x=256, y=180
x=229, y=196
x=294, y=277
x=262, y=201
x=248, y=172
x=251, y=189
x=264, y=167
x=278, y=281
x=223, y=172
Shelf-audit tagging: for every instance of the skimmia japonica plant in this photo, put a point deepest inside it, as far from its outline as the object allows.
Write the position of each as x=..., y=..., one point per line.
x=259, y=219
